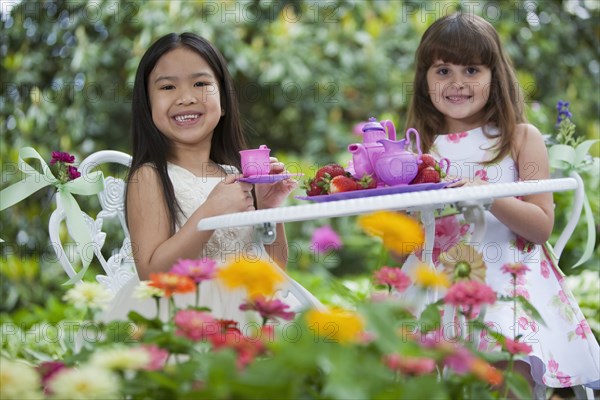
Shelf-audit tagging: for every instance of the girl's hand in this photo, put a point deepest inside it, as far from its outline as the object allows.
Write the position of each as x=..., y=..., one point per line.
x=274, y=194
x=475, y=181
x=230, y=196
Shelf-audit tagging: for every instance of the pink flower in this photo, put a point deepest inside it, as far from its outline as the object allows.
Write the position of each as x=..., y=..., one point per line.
x=455, y=137
x=47, y=369
x=482, y=174
x=516, y=347
x=524, y=245
x=583, y=329
x=158, y=357
x=552, y=366
x=325, y=238
x=246, y=349
x=521, y=291
x=525, y=324
x=564, y=379
x=563, y=297
x=195, y=325
x=460, y=360
x=515, y=269
x=393, y=277
x=409, y=365
x=62, y=157
x=268, y=308
x=199, y=270
x=470, y=295
x=545, y=269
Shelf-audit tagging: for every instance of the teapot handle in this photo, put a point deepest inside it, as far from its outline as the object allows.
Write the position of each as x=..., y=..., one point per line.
x=446, y=162
x=390, y=128
x=414, y=131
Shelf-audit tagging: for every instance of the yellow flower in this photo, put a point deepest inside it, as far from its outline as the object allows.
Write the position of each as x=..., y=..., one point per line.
x=400, y=233
x=427, y=277
x=335, y=325
x=463, y=262
x=259, y=278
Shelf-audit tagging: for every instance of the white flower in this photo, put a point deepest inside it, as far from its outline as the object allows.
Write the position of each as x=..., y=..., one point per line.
x=121, y=358
x=145, y=291
x=87, y=382
x=89, y=294
x=18, y=381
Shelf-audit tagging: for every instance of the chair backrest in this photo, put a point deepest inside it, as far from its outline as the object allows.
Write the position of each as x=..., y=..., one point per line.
x=119, y=268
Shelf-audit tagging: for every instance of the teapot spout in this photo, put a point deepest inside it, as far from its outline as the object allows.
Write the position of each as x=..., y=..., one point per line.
x=360, y=160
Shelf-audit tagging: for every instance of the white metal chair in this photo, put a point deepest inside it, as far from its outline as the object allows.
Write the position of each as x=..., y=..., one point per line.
x=119, y=268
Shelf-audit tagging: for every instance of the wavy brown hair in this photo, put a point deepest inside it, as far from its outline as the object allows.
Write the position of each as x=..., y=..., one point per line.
x=466, y=39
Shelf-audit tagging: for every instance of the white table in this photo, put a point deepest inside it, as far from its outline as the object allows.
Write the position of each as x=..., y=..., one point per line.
x=471, y=200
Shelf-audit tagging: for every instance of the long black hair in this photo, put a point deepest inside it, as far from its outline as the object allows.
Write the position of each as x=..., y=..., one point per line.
x=151, y=146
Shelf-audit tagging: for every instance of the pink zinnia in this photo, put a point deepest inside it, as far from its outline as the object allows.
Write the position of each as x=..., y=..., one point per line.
x=516, y=347
x=61, y=156
x=47, y=369
x=246, y=348
x=393, y=277
x=325, y=238
x=269, y=309
x=409, y=365
x=158, y=357
x=470, y=295
x=516, y=269
x=195, y=325
x=199, y=270
x=460, y=360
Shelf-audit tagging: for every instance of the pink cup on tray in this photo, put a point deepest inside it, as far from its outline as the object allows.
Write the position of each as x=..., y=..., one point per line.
x=256, y=162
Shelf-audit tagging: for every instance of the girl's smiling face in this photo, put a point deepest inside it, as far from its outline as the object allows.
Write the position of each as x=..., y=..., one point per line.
x=184, y=98
x=460, y=93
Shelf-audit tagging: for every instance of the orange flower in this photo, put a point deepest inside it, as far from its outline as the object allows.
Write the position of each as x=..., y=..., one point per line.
x=172, y=283
x=486, y=372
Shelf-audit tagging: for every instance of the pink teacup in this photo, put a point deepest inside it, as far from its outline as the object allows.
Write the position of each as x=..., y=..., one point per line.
x=256, y=161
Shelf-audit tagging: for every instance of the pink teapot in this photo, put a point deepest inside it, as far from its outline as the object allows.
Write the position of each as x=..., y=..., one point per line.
x=397, y=165
x=365, y=154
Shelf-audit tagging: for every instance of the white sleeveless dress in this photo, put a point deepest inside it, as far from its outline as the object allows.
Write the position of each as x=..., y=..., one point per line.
x=191, y=191
x=565, y=352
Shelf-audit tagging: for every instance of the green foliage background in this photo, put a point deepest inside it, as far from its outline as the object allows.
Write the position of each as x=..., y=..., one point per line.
x=306, y=73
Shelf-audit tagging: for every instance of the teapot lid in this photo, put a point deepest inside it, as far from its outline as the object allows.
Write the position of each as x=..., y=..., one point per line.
x=372, y=125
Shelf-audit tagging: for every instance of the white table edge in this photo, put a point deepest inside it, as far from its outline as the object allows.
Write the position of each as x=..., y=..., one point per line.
x=403, y=201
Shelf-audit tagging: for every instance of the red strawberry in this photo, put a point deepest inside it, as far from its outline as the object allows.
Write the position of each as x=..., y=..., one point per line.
x=367, y=182
x=342, y=183
x=313, y=188
x=329, y=171
x=427, y=175
x=428, y=161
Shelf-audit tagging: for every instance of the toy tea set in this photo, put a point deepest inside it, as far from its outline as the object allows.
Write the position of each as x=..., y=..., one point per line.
x=380, y=165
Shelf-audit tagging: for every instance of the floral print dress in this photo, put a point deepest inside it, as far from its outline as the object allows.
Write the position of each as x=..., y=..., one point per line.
x=565, y=352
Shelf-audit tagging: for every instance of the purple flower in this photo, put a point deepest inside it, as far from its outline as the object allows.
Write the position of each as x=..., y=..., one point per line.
x=325, y=238
x=269, y=308
x=199, y=270
x=563, y=111
x=72, y=172
x=63, y=157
